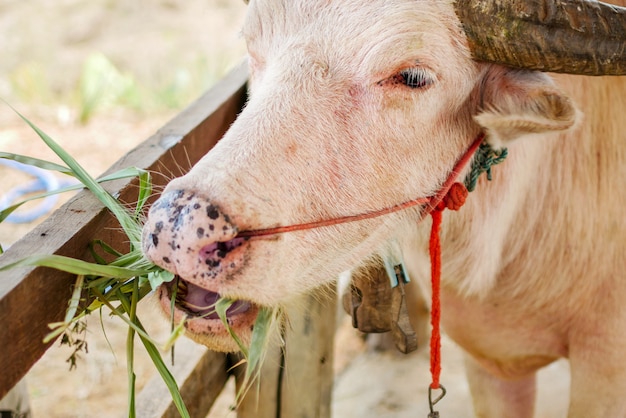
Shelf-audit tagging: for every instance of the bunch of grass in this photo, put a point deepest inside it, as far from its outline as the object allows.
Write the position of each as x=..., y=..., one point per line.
x=121, y=284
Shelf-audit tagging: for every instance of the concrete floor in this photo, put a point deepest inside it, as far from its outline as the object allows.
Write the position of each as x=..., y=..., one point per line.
x=391, y=385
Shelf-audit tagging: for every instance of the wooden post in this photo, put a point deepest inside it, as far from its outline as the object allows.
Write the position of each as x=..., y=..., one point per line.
x=296, y=382
x=262, y=398
x=201, y=375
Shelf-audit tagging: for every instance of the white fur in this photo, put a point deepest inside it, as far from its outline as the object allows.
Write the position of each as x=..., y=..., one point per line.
x=533, y=265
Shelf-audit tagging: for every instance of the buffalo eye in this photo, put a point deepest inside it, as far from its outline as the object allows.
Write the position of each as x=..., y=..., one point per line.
x=412, y=77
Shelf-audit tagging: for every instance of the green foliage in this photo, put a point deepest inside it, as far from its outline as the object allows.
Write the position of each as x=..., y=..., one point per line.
x=103, y=85
x=122, y=283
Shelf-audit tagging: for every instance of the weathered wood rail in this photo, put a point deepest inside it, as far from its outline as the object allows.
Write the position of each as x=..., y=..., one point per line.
x=295, y=382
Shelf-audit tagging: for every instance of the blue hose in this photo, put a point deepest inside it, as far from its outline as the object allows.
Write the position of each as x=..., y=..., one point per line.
x=44, y=181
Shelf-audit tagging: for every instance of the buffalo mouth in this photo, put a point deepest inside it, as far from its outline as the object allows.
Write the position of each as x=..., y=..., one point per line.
x=196, y=306
x=199, y=302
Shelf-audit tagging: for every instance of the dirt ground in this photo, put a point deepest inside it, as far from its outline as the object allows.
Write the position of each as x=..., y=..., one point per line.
x=155, y=57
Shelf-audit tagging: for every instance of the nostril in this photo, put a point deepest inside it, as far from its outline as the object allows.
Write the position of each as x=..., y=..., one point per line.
x=232, y=244
x=213, y=253
x=208, y=250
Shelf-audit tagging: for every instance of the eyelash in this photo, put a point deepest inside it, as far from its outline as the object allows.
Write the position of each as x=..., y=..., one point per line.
x=413, y=78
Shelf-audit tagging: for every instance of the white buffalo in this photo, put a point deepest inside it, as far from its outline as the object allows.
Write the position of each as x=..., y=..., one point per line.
x=358, y=106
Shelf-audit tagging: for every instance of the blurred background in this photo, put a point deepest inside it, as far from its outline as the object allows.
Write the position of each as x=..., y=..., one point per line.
x=100, y=76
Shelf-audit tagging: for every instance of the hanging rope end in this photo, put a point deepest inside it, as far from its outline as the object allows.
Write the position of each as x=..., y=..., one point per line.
x=432, y=402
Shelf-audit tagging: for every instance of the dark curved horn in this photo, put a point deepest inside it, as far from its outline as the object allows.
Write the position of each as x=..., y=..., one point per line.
x=563, y=36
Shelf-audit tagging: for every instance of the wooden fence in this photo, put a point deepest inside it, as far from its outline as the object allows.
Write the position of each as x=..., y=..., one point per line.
x=295, y=382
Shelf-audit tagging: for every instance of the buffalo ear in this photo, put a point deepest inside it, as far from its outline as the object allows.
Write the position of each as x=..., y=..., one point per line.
x=516, y=103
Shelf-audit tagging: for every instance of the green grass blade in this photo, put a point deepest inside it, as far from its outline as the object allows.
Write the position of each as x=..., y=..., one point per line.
x=75, y=300
x=167, y=377
x=130, y=350
x=145, y=191
x=126, y=308
x=6, y=212
x=259, y=340
x=262, y=332
x=126, y=221
x=75, y=266
x=106, y=337
x=134, y=258
x=102, y=283
x=59, y=328
x=126, y=173
x=221, y=306
x=172, y=312
x=129, y=172
x=98, y=243
x=36, y=162
x=177, y=332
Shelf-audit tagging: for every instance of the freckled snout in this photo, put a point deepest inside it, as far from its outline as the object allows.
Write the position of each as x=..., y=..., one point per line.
x=189, y=236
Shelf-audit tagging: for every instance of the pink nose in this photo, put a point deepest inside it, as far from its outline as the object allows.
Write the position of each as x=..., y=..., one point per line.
x=188, y=235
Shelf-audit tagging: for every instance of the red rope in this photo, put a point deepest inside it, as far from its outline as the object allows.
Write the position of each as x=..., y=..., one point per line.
x=334, y=221
x=453, y=200
x=435, y=313
x=432, y=201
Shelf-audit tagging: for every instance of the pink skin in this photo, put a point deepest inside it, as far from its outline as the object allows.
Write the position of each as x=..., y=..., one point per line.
x=241, y=316
x=184, y=224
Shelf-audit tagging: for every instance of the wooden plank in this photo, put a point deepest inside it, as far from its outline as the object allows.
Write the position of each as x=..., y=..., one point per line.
x=201, y=375
x=308, y=375
x=261, y=400
x=32, y=298
x=297, y=382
